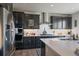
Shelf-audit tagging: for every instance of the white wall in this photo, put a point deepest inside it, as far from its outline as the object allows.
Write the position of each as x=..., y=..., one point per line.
x=75, y=16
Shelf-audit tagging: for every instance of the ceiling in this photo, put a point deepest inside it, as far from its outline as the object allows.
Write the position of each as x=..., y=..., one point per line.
x=63, y=8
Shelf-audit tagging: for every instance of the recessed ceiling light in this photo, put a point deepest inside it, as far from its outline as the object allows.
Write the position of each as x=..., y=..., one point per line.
x=52, y=5
x=72, y=8
x=56, y=11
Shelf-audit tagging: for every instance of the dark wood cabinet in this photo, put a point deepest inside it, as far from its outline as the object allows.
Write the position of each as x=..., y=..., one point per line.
x=69, y=23
x=31, y=21
x=18, y=45
x=31, y=42
x=38, y=43
x=8, y=6
x=26, y=43
x=58, y=22
x=18, y=19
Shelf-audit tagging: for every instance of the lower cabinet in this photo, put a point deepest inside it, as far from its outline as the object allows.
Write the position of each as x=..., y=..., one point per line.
x=38, y=43
x=19, y=45
x=31, y=42
x=27, y=43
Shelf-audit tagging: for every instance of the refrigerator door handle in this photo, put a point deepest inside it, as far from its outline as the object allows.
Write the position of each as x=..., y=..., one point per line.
x=12, y=31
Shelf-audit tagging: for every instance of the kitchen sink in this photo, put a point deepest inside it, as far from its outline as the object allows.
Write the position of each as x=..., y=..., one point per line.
x=49, y=36
x=46, y=34
x=66, y=38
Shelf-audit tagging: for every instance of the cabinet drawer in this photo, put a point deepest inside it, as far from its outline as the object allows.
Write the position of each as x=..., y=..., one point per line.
x=19, y=45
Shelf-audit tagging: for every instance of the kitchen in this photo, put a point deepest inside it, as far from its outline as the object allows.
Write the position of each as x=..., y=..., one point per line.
x=39, y=29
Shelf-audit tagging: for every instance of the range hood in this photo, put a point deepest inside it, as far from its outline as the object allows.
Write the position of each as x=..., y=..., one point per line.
x=44, y=17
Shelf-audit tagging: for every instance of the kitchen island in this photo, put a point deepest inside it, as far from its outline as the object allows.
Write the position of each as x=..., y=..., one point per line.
x=57, y=47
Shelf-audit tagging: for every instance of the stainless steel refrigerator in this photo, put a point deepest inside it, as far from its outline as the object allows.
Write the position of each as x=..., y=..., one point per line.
x=7, y=32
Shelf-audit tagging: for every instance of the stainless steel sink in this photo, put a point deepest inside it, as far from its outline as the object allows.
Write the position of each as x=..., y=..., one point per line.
x=49, y=36
x=66, y=38
x=46, y=34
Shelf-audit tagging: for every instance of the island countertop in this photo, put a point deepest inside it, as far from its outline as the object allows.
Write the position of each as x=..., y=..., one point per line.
x=62, y=47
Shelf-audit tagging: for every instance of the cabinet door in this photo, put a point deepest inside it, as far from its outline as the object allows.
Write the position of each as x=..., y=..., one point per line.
x=25, y=43
x=18, y=19
x=15, y=19
x=25, y=22
x=38, y=42
x=28, y=43
x=36, y=21
x=64, y=21
x=59, y=22
x=55, y=23
x=51, y=26
x=8, y=6
x=69, y=23
x=19, y=45
x=32, y=43
x=31, y=21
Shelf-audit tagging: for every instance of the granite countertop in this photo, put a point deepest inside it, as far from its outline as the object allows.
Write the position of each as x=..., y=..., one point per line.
x=62, y=47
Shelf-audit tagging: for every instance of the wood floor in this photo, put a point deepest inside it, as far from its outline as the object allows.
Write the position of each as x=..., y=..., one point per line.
x=28, y=52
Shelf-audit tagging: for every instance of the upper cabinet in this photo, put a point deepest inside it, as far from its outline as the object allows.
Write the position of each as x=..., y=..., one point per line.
x=31, y=21
x=8, y=6
x=58, y=22
x=69, y=23
x=18, y=19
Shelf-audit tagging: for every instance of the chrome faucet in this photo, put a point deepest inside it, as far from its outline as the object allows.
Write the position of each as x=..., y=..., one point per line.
x=44, y=32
